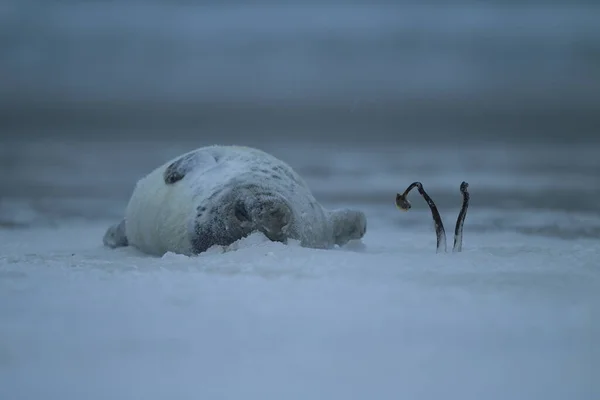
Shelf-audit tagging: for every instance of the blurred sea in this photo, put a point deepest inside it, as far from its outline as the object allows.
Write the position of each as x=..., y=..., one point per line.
x=361, y=97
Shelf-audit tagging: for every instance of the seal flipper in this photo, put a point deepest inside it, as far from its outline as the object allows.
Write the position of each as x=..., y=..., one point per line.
x=347, y=225
x=179, y=168
x=115, y=236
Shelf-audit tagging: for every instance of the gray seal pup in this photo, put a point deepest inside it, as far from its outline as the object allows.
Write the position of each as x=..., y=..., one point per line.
x=216, y=195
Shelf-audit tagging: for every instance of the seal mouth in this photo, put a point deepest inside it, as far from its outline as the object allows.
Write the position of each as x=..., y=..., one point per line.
x=276, y=235
x=284, y=229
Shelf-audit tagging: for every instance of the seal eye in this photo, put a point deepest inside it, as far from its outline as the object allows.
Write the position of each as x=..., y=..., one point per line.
x=241, y=213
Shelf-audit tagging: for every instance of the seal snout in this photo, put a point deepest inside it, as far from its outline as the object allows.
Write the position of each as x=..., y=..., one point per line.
x=274, y=219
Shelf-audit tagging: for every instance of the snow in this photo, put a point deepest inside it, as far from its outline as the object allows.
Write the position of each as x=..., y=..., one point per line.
x=511, y=317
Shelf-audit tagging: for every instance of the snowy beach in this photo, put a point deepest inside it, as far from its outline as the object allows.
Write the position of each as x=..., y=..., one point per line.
x=361, y=98
x=512, y=316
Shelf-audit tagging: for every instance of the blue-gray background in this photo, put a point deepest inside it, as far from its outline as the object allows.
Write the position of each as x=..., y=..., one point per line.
x=362, y=97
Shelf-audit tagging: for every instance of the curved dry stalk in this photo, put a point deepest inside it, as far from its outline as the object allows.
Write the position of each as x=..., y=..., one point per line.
x=403, y=204
x=460, y=221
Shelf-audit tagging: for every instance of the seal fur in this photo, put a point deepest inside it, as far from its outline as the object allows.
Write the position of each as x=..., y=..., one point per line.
x=216, y=195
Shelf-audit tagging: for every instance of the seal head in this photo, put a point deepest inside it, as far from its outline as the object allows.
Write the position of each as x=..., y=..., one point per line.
x=239, y=211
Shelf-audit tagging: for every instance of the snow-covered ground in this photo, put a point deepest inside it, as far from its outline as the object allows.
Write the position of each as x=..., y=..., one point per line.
x=514, y=316
x=511, y=317
x=94, y=94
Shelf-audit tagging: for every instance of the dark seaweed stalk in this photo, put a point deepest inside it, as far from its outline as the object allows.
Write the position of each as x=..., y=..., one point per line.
x=460, y=221
x=403, y=204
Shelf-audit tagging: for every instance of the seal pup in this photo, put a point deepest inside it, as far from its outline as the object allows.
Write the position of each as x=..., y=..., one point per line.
x=216, y=195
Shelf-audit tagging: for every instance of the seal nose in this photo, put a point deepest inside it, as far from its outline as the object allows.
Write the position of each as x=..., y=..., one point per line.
x=275, y=219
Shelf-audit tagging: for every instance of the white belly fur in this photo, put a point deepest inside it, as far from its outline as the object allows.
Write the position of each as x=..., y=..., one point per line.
x=158, y=216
